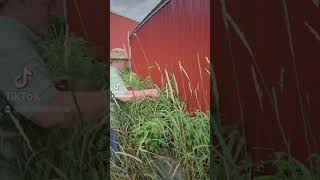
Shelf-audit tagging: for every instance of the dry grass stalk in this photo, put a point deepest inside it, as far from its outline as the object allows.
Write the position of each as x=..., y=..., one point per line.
x=197, y=99
x=228, y=18
x=313, y=31
x=66, y=40
x=162, y=80
x=290, y=39
x=202, y=85
x=224, y=11
x=207, y=71
x=308, y=100
x=237, y=85
x=183, y=86
x=124, y=47
x=309, y=125
x=130, y=52
x=208, y=61
x=143, y=52
x=134, y=66
x=129, y=155
x=207, y=97
x=128, y=45
x=214, y=86
x=284, y=138
x=157, y=66
x=170, y=86
x=184, y=71
x=80, y=17
x=281, y=80
x=257, y=87
x=316, y=3
x=167, y=91
x=21, y=131
x=175, y=83
x=190, y=88
x=240, y=34
x=175, y=170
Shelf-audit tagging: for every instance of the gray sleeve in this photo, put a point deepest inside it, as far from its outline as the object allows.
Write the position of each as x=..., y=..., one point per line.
x=26, y=82
x=117, y=85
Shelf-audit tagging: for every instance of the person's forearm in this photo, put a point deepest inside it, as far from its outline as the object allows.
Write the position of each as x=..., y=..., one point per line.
x=91, y=105
x=133, y=95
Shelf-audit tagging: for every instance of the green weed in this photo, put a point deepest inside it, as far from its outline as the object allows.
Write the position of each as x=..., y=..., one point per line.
x=159, y=131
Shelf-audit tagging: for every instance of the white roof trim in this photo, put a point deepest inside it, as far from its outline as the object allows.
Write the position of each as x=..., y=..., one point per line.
x=111, y=11
x=153, y=12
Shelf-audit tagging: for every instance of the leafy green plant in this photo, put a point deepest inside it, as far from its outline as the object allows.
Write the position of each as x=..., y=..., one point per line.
x=230, y=160
x=70, y=154
x=70, y=57
x=155, y=132
x=73, y=154
x=132, y=80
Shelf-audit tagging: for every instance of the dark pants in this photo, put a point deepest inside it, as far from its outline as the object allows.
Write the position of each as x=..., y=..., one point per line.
x=114, y=143
x=8, y=160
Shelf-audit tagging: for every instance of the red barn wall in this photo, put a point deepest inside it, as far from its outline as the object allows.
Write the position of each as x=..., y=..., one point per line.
x=264, y=27
x=57, y=6
x=88, y=20
x=179, y=31
x=120, y=27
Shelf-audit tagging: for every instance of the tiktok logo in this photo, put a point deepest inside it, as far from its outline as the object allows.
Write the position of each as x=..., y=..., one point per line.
x=23, y=80
x=116, y=87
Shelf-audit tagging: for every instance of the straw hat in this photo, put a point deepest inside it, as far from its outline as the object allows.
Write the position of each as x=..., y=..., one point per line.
x=118, y=54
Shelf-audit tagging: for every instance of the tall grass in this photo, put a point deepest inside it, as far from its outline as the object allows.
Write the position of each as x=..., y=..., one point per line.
x=230, y=160
x=159, y=139
x=68, y=154
x=227, y=145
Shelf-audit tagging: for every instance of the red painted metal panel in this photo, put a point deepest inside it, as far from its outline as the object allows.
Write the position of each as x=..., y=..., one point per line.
x=119, y=30
x=179, y=31
x=264, y=26
x=57, y=6
x=88, y=20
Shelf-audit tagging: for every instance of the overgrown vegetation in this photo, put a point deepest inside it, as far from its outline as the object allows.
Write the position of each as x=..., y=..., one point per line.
x=230, y=159
x=68, y=154
x=159, y=139
x=78, y=153
x=70, y=56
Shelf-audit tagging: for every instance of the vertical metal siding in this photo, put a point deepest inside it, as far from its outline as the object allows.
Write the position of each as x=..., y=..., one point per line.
x=88, y=20
x=119, y=30
x=177, y=32
x=57, y=6
x=264, y=26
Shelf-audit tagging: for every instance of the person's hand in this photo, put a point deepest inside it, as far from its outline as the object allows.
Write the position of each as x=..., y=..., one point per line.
x=60, y=84
x=154, y=93
x=132, y=88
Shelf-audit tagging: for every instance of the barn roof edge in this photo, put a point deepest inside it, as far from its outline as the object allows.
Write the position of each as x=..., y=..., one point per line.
x=153, y=12
x=111, y=11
